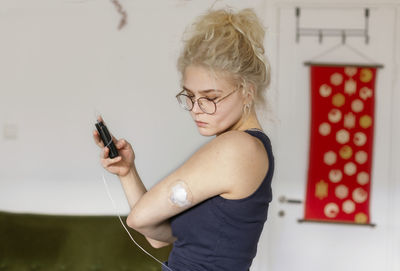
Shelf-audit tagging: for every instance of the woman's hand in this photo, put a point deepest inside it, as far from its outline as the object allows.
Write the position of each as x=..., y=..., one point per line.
x=120, y=165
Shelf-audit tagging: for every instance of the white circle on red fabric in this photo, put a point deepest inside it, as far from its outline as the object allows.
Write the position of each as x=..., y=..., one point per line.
x=350, y=168
x=341, y=191
x=331, y=210
x=324, y=129
x=342, y=136
x=363, y=178
x=330, y=158
x=348, y=206
x=360, y=195
x=335, y=175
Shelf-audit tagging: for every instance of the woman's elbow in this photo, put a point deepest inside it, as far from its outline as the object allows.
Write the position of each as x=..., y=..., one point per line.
x=139, y=223
x=134, y=222
x=157, y=244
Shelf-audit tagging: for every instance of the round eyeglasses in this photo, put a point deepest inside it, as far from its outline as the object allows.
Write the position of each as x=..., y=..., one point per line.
x=207, y=105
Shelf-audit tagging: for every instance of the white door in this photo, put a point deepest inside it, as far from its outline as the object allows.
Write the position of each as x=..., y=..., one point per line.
x=286, y=244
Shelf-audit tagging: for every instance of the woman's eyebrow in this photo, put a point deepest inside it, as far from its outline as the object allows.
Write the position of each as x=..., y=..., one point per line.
x=203, y=91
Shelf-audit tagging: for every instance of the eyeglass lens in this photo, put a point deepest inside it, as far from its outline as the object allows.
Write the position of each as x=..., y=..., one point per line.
x=206, y=105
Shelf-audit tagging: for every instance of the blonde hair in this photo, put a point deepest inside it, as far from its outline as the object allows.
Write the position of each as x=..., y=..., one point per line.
x=230, y=44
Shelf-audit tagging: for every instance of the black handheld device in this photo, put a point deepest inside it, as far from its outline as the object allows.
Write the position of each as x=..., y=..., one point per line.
x=106, y=138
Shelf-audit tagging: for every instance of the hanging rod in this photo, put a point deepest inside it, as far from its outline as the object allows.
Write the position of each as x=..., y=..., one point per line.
x=321, y=32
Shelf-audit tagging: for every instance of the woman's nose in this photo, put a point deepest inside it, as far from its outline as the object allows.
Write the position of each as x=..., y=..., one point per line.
x=196, y=108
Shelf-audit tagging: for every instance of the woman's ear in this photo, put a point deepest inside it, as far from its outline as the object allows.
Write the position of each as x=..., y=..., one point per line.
x=249, y=94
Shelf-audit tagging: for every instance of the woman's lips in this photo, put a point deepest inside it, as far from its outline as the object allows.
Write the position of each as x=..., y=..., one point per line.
x=201, y=124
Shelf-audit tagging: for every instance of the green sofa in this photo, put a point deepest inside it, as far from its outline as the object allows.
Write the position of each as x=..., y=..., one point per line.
x=33, y=242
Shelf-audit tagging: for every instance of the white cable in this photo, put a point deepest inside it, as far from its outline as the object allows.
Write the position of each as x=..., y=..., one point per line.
x=116, y=211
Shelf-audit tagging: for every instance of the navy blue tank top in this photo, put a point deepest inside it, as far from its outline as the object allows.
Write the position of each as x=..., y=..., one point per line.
x=222, y=234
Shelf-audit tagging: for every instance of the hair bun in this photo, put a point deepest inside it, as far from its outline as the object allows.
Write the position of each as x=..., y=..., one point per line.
x=247, y=23
x=231, y=42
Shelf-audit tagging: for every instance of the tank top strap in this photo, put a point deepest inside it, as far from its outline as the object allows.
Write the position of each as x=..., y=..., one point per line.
x=268, y=147
x=262, y=136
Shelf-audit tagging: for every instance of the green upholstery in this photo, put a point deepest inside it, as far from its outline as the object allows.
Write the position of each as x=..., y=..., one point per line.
x=33, y=242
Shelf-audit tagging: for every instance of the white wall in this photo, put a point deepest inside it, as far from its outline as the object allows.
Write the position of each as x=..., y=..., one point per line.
x=394, y=232
x=63, y=60
x=60, y=61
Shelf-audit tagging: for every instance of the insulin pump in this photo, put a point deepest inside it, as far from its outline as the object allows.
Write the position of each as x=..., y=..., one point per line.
x=106, y=138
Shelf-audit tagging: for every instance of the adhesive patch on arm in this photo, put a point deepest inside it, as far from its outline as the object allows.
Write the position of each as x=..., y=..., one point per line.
x=180, y=194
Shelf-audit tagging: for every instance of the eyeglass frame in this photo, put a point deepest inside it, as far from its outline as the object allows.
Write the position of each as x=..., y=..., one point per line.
x=197, y=101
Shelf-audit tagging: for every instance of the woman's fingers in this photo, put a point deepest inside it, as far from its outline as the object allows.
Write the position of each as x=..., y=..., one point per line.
x=109, y=161
x=121, y=143
x=106, y=161
x=100, y=118
x=105, y=152
x=97, y=139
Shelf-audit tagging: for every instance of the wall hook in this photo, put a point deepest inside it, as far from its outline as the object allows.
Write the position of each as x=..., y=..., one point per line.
x=321, y=32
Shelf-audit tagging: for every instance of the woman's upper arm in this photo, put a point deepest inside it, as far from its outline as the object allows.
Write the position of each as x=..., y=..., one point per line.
x=213, y=170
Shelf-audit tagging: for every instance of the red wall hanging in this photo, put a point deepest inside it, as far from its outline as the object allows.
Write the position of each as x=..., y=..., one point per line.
x=341, y=143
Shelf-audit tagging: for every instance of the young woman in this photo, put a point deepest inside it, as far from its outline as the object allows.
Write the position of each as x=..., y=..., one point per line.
x=213, y=207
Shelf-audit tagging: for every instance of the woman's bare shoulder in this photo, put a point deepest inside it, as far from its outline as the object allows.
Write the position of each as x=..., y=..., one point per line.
x=240, y=142
x=247, y=158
